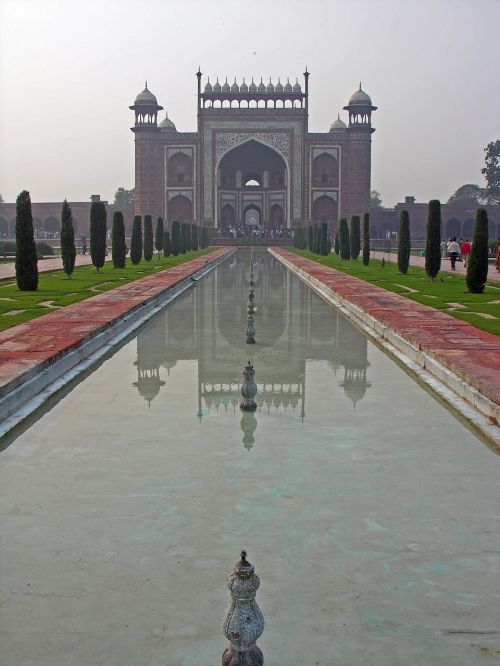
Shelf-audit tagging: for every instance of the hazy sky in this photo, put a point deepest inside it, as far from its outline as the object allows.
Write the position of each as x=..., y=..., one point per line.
x=70, y=69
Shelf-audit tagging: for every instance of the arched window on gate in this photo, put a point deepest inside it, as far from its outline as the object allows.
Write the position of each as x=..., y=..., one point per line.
x=325, y=171
x=180, y=170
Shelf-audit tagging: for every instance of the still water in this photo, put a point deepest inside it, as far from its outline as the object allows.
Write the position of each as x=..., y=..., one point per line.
x=370, y=512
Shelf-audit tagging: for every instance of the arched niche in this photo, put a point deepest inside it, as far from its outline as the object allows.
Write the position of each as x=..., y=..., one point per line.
x=325, y=210
x=325, y=171
x=180, y=208
x=180, y=170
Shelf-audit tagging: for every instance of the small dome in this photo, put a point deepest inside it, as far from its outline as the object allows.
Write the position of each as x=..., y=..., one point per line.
x=270, y=87
x=360, y=97
x=279, y=87
x=208, y=86
x=167, y=124
x=146, y=97
x=216, y=87
x=225, y=87
x=243, y=87
x=252, y=87
x=288, y=87
x=261, y=88
x=296, y=87
x=338, y=125
x=235, y=87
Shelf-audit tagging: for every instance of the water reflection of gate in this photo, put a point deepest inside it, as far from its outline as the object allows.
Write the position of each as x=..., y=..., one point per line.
x=293, y=327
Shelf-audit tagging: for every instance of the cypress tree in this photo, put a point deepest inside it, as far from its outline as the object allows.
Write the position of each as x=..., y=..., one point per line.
x=26, y=259
x=310, y=238
x=176, y=237
x=205, y=237
x=345, y=251
x=118, y=247
x=167, y=246
x=68, y=249
x=366, y=239
x=136, y=241
x=194, y=237
x=159, y=236
x=355, y=239
x=433, y=242
x=324, y=239
x=316, y=239
x=148, y=238
x=336, y=243
x=404, y=243
x=182, y=244
x=98, y=233
x=477, y=268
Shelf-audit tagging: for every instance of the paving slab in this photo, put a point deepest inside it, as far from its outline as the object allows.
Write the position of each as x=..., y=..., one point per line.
x=470, y=353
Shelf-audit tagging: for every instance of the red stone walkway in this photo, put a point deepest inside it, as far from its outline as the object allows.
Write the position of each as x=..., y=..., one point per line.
x=472, y=354
x=41, y=341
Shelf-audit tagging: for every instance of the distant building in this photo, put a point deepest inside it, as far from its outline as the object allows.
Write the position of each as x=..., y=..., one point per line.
x=457, y=219
x=252, y=160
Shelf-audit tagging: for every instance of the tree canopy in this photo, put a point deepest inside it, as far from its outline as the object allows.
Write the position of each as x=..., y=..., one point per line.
x=124, y=198
x=375, y=199
x=468, y=194
x=491, y=171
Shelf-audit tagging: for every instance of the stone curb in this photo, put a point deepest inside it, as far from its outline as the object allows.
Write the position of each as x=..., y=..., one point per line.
x=27, y=392
x=460, y=394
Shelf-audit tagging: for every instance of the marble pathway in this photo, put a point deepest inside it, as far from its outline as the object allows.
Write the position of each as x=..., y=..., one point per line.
x=474, y=355
x=41, y=341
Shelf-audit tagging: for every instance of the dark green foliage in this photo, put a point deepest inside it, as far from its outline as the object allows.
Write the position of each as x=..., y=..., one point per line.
x=355, y=238
x=491, y=171
x=345, y=250
x=366, y=239
x=182, y=242
x=477, y=268
x=310, y=238
x=26, y=259
x=148, y=238
x=205, y=237
x=159, y=236
x=317, y=239
x=176, y=237
x=136, y=241
x=68, y=249
x=167, y=245
x=194, y=237
x=329, y=246
x=336, y=243
x=42, y=249
x=404, y=242
x=118, y=247
x=98, y=233
x=324, y=239
x=433, y=242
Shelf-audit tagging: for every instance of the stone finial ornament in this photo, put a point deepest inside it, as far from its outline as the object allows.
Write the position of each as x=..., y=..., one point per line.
x=250, y=332
x=243, y=622
x=248, y=389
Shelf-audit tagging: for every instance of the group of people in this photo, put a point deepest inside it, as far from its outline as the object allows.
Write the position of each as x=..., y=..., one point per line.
x=255, y=231
x=456, y=250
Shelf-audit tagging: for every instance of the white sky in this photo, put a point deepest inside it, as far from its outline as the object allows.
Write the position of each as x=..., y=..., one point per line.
x=69, y=69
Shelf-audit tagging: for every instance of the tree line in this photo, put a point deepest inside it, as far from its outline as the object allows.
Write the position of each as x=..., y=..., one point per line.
x=185, y=237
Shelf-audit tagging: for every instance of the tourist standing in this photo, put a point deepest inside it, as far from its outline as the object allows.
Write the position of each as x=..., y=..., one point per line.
x=466, y=247
x=453, y=251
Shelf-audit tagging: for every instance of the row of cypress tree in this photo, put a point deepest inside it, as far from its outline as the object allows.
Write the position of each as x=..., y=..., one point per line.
x=347, y=241
x=314, y=238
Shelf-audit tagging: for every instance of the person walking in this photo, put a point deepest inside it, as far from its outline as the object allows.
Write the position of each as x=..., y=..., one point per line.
x=466, y=248
x=453, y=251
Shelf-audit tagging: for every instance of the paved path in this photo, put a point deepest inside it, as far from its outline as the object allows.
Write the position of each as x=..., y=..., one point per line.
x=8, y=270
x=40, y=341
x=493, y=275
x=472, y=354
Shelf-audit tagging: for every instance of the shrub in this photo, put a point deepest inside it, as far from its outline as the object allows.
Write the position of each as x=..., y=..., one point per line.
x=7, y=246
x=159, y=236
x=176, y=237
x=118, y=247
x=42, y=249
x=404, y=243
x=68, y=249
x=366, y=239
x=477, y=268
x=136, y=241
x=167, y=245
x=345, y=251
x=98, y=233
x=26, y=259
x=433, y=242
x=355, y=239
x=148, y=238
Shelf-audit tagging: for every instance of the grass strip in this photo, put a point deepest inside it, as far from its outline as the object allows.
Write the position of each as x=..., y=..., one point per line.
x=447, y=292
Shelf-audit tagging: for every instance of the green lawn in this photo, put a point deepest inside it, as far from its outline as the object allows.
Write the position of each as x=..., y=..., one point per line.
x=448, y=292
x=56, y=290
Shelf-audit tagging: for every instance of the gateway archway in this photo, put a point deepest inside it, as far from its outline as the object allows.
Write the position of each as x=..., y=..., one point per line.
x=252, y=217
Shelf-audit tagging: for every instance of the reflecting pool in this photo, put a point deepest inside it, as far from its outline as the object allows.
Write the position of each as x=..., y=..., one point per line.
x=370, y=512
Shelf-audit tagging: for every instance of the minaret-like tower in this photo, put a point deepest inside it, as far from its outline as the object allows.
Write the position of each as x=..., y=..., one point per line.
x=149, y=194
x=357, y=168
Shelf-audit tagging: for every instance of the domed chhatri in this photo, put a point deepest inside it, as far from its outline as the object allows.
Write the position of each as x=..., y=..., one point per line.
x=244, y=87
x=279, y=87
x=270, y=86
x=146, y=109
x=225, y=87
x=146, y=97
x=208, y=86
x=360, y=97
x=338, y=125
x=296, y=87
x=288, y=86
x=235, y=87
x=216, y=88
x=252, y=87
x=261, y=87
x=167, y=125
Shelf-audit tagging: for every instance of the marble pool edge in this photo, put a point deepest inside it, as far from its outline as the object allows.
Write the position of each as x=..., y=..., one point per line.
x=477, y=409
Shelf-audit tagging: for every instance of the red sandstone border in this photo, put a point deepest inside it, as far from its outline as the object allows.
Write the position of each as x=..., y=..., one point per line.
x=36, y=344
x=472, y=354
